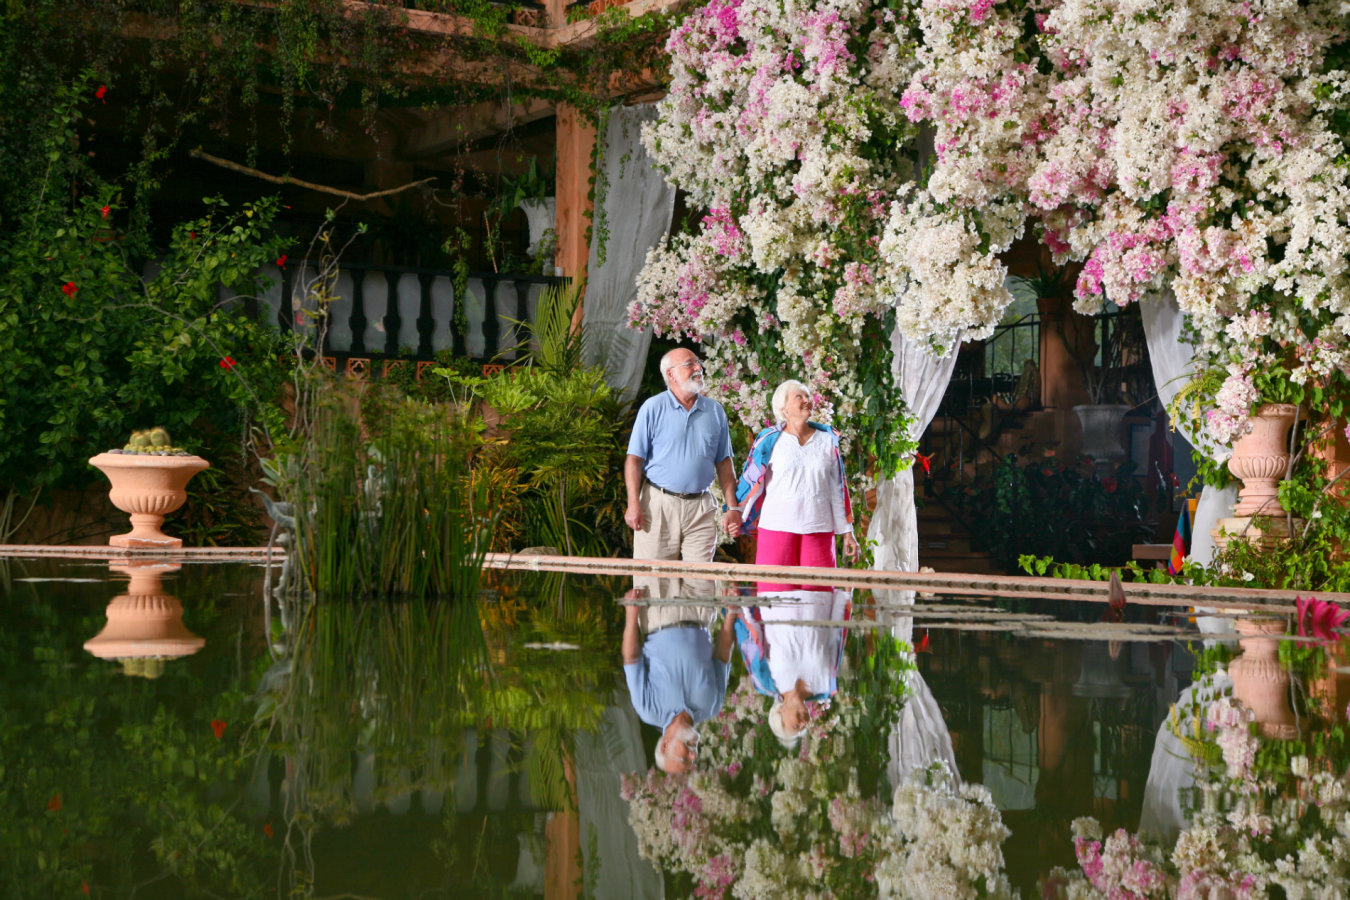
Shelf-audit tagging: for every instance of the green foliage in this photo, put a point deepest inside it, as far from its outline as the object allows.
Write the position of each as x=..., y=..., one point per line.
x=90, y=349
x=560, y=432
x=1045, y=508
x=109, y=781
x=390, y=508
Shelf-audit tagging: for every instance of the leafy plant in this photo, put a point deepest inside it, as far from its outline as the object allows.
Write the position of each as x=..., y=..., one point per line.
x=389, y=507
x=1049, y=508
x=90, y=349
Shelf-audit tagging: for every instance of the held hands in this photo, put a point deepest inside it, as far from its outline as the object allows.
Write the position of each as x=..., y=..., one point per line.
x=731, y=522
x=851, y=547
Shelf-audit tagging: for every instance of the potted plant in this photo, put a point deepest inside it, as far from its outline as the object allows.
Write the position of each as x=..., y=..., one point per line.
x=149, y=479
x=531, y=191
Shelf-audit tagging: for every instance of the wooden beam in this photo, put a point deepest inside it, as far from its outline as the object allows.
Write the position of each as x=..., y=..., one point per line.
x=448, y=130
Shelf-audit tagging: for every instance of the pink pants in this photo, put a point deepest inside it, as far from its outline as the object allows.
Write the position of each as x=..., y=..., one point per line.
x=782, y=548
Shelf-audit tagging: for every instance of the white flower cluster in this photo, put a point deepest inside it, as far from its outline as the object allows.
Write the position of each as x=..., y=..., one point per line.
x=1196, y=145
x=1248, y=836
x=948, y=841
x=783, y=121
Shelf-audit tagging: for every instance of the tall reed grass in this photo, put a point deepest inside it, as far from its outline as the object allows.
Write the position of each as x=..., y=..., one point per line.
x=385, y=504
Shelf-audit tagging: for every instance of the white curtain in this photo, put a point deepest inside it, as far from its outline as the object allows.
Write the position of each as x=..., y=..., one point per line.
x=920, y=737
x=638, y=205
x=602, y=758
x=1171, y=358
x=922, y=380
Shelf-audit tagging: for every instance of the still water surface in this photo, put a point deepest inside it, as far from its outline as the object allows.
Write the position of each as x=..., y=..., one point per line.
x=228, y=746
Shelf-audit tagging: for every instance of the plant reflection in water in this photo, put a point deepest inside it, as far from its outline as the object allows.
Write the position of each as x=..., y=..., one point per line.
x=1249, y=804
x=816, y=815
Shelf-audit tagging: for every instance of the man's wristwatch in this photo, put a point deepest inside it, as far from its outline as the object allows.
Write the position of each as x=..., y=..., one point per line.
x=726, y=508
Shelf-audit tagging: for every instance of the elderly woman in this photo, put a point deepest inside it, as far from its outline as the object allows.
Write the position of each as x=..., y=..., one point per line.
x=793, y=495
x=793, y=492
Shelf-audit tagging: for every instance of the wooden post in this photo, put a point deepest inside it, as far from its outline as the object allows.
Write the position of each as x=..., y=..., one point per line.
x=576, y=139
x=562, y=865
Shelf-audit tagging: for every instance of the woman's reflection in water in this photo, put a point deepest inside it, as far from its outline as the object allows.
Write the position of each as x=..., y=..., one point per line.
x=793, y=661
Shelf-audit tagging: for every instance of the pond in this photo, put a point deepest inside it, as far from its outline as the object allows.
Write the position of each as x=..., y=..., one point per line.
x=168, y=731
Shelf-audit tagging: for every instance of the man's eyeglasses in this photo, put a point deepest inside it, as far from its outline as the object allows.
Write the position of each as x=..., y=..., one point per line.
x=693, y=363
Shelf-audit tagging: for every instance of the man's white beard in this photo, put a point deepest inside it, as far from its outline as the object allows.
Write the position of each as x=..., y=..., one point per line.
x=693, y=383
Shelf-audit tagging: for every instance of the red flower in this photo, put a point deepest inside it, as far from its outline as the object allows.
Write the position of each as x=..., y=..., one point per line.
x=922, y=646
x=923, y=461
x=54, y=804
x=281, y=261
x=227, y=363
x=1110, y=484
x=218, y=727
x=101, y=92
x=1319, y=618
x=192, y=235
x=84, y=887
x=105, y=210
x=69, y=289
x=267, y=829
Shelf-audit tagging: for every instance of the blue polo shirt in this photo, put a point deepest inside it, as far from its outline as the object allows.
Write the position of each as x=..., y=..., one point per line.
x=677, y=672
x=681, y=446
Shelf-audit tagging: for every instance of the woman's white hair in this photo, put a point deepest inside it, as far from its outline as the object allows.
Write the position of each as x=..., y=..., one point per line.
x=780, y=397
x=786, y=737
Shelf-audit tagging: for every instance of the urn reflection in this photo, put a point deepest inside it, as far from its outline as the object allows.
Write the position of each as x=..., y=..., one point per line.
x=145, y=625
x=1259, y=681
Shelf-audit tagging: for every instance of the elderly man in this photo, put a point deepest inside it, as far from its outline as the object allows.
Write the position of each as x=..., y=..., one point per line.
x=680, y=443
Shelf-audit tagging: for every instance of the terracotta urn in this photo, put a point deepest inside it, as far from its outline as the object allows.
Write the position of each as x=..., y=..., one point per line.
x=145, y=625
x=1261, y=458
x=149, y=487
x=1260, y=683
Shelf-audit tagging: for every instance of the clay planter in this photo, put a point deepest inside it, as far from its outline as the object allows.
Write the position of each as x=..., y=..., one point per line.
x=1261, y=458
x=145, y=625
x=1259, y=681
x=149, y=488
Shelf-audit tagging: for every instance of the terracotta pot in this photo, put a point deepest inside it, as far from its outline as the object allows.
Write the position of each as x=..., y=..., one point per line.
x=145, y=625
x=1261, y=458
x=1260, y=683
x=149, y=488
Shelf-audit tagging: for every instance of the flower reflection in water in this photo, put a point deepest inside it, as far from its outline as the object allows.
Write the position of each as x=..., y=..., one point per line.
x=1270, y=807
x=819, y=820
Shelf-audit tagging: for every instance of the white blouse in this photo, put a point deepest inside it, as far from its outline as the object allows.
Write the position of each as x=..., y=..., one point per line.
x=806, y=652
x=803, y=494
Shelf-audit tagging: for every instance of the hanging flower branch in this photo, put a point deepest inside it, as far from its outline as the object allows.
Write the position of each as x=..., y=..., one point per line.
x=783, y=121
x=1197, y=146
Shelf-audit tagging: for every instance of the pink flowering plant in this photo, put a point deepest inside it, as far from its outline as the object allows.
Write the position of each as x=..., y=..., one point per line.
x=783, y=124
x=1268, y=817
x=1197, y=147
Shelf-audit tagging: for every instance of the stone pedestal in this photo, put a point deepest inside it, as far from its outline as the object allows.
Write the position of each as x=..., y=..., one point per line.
x=1242, y=528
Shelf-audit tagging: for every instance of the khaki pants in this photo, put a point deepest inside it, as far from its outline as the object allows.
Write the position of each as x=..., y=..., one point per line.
x=675, y=529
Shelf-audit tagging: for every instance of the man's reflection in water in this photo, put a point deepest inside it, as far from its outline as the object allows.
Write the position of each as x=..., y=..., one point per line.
x=676, y=676
x=791, y=661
